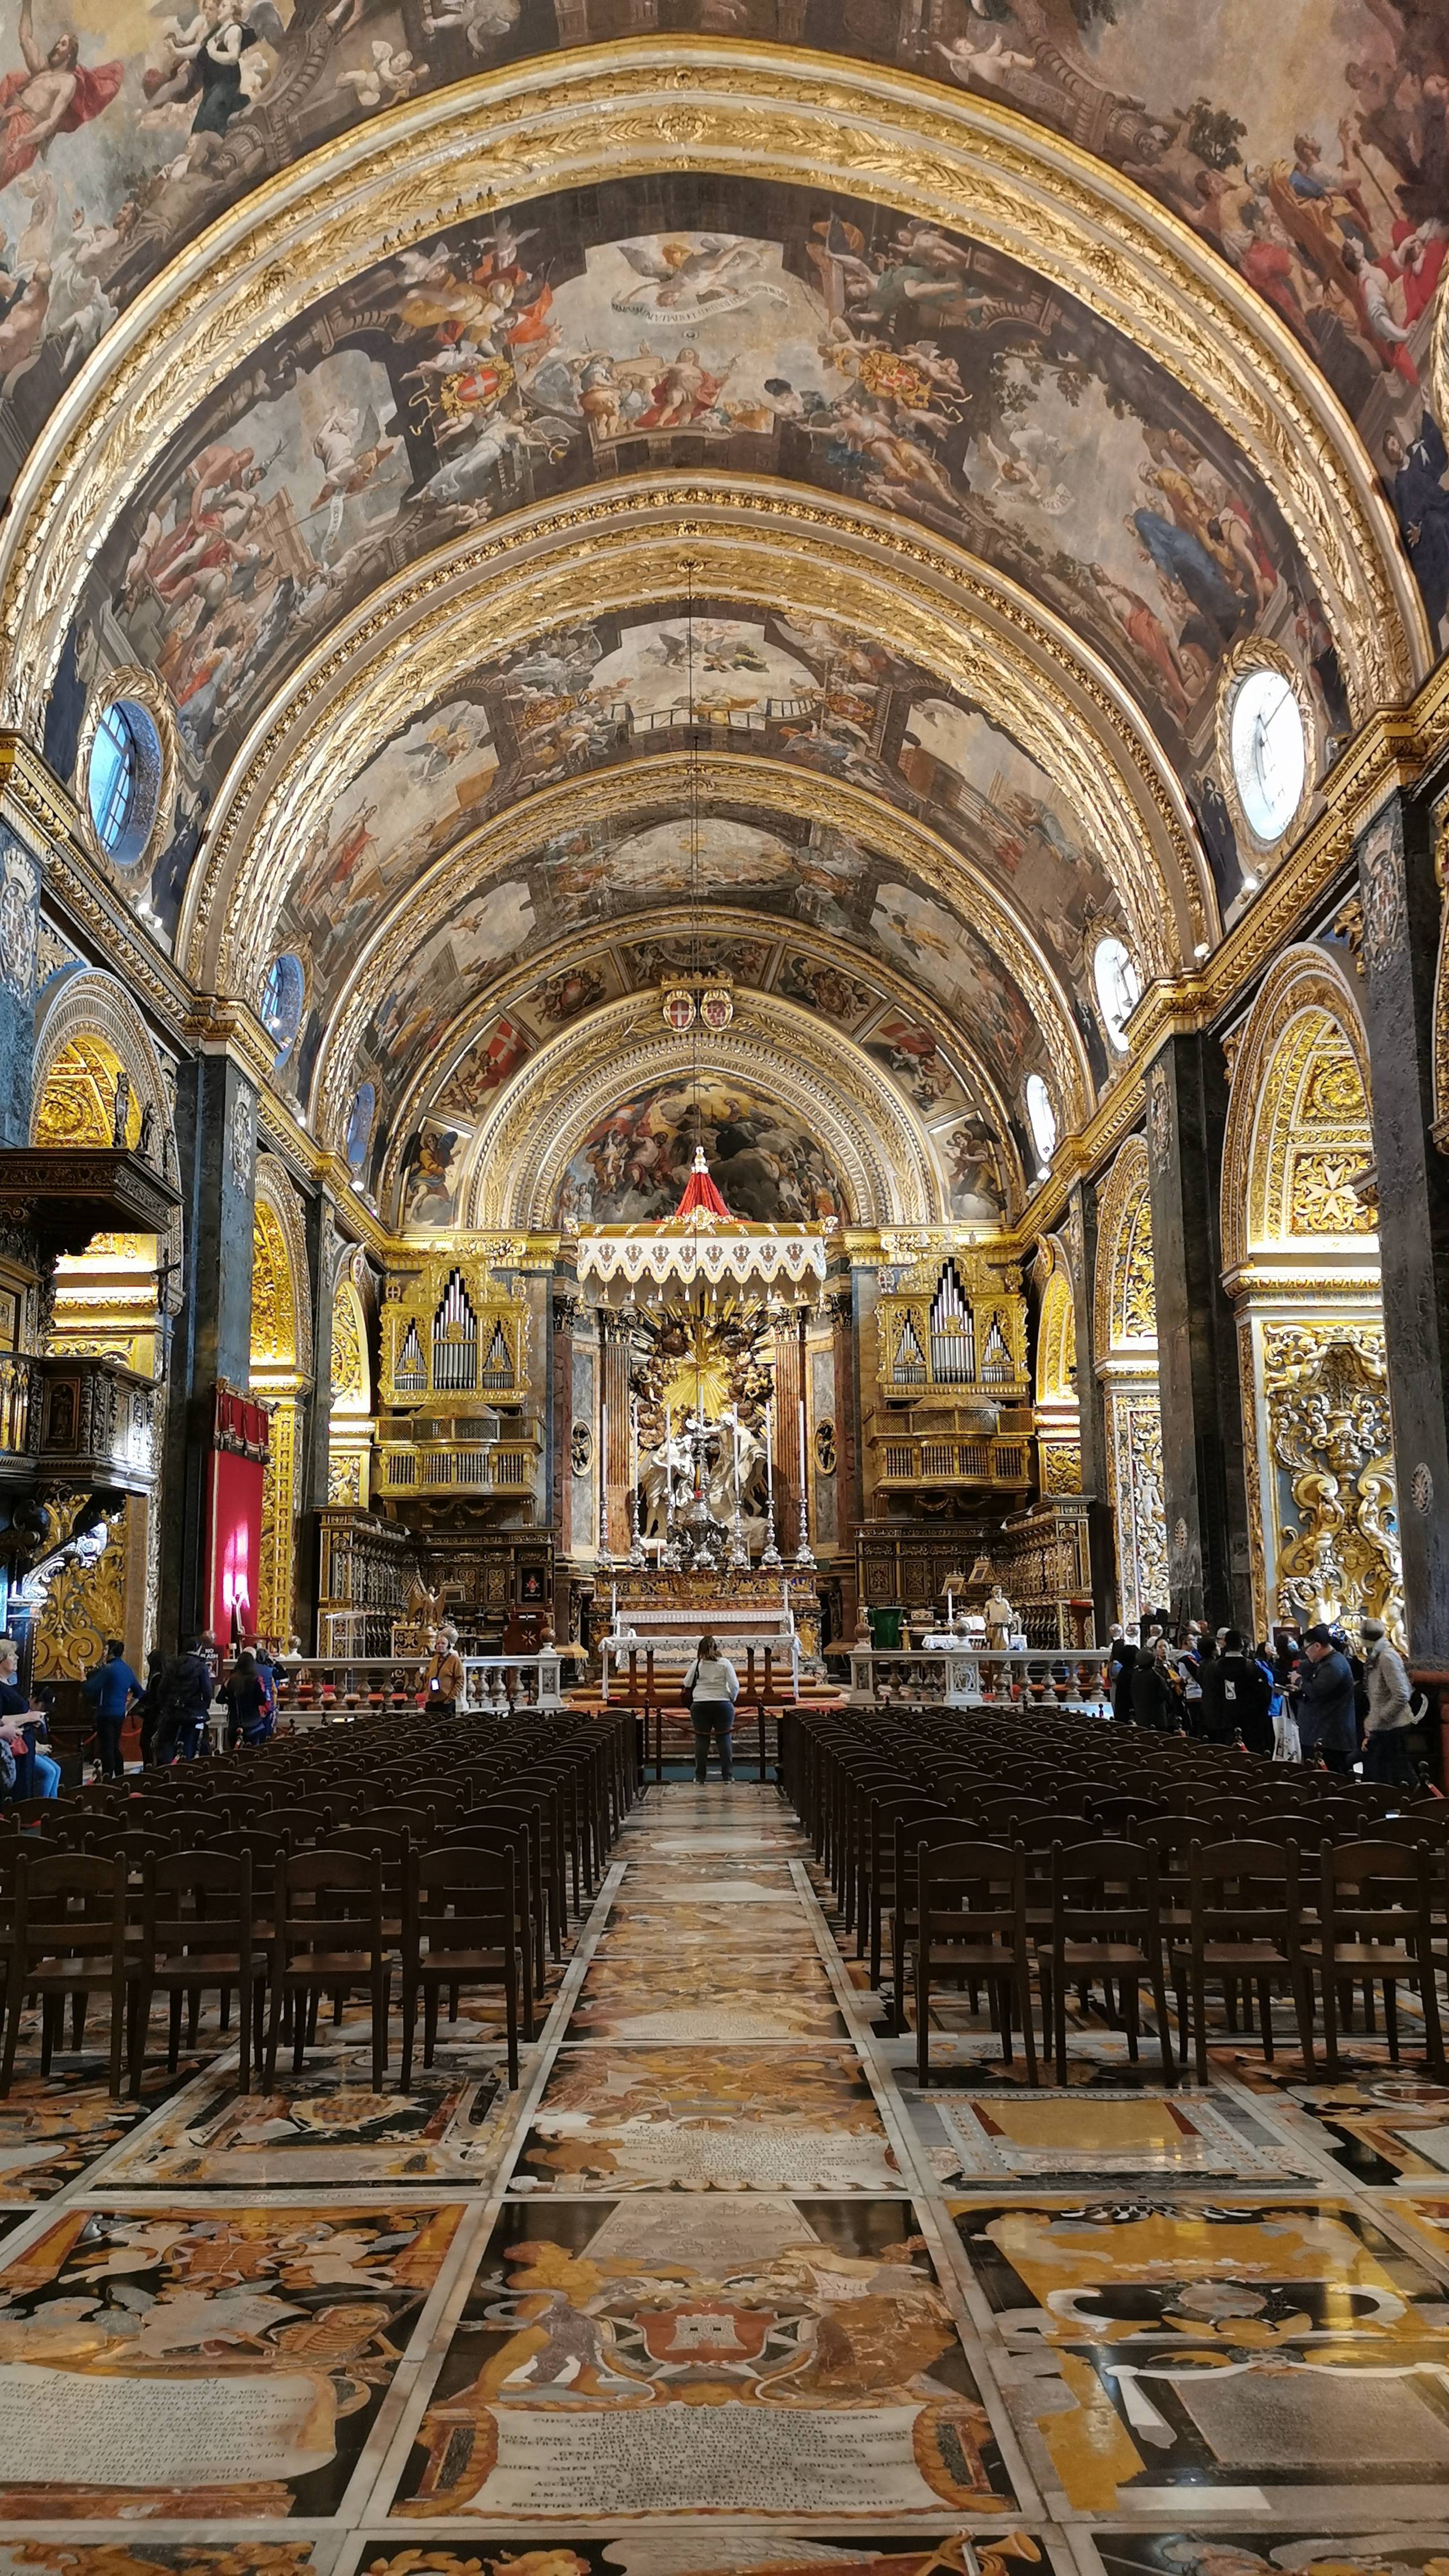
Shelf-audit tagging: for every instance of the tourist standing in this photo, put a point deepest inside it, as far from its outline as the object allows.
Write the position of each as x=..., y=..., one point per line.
x=442, y=1678
x=1390, y=1709
x=113, y=1686
x=711, y=1686
x=185, y=1690
x=1236, y=1697
x=1326, y=1722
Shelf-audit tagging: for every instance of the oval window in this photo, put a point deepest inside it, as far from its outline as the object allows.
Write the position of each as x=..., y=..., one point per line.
x=1042, y=1120
x=359, y=1125
x=1269, y=752
x=123, y=780
x=1119, y=988
x=280, y=1009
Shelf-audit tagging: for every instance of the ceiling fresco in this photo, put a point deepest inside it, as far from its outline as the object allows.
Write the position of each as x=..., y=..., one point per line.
x=686, y=320
x=981, y=1166
x=576, y=888
x=1306, y=144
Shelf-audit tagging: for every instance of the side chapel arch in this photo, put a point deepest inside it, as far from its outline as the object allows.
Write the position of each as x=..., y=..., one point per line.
x=1058, y=1414
x=281, y=1376
x=1302, y=1269
x=1125, y=1333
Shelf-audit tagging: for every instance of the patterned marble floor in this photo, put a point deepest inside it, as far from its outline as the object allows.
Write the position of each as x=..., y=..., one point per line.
x=719, y=2291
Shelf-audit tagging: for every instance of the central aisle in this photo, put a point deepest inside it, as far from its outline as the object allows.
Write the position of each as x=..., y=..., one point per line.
x=708, y=2293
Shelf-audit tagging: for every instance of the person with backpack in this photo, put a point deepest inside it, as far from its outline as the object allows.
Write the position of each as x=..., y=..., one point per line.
x=248, y=1721
x=1391, y=1713
x=711, y=1687
x=1237, y=1698
x=113, y=1686
x=1326, y=1722
x=185, y=1704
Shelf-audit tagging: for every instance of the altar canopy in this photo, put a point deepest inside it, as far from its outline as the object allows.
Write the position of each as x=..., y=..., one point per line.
x=702, y=1242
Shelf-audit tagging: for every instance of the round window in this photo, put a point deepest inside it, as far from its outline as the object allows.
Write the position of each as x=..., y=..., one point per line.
x=1119, y=988
x=283, y=994
x=1042, y=1120
x=1269, y=752
x=123, y=780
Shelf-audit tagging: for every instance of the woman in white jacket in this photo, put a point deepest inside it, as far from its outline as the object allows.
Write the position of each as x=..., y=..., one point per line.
x=711, y=1686
x=1390, y=1709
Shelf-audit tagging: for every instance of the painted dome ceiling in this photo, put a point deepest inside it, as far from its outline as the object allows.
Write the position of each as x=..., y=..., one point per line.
x=574, y=478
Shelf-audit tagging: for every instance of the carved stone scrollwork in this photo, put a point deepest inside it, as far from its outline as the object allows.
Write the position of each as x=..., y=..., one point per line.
x=1332, y=1445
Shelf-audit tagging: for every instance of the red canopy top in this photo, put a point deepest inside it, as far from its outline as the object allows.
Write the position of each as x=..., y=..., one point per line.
x=701, y=1198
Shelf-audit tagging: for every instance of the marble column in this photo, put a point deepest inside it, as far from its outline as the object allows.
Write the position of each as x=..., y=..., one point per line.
x=1401, y=906
x=1204, y=1488
x=216, y=1137
x=325, y=1256
x=789, y=1464
x=1081, y=1235
x=19, y=922
x=614, y=1457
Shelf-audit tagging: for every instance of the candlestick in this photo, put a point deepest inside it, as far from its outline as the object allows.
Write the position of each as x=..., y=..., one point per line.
x=770, y=1554
x=802, y=1552
x=636, y=1543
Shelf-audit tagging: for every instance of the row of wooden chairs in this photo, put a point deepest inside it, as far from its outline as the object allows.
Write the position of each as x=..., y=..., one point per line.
x=199, y=1923
x=1252, y=1921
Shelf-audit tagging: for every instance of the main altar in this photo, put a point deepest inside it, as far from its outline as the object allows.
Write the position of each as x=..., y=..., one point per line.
x=703, y=1555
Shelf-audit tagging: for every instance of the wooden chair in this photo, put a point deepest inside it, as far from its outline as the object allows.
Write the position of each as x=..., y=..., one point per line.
x=1376, y=1926
x=67, y=1938
x=1105, y=1925
x=1244, y=1929
x=459, y=1929
x=198, y=1932
x=483, y=1833
x=328, y=1939
x=972, y=1926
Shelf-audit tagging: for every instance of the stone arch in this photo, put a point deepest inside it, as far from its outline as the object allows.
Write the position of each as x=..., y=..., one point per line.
x=281, y=1376
x=350, y=1418
x=1125, y=1327
x=91, y=1032
x=1301, y=1263
x=1058, y=1413
x=1299, y=1122
x=882, y=1158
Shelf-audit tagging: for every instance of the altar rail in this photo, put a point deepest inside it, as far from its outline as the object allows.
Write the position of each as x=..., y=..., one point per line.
x=977, y=1676
x=319, y=1689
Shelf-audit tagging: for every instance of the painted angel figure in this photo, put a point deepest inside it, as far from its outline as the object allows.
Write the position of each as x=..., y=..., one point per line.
x=674, y=275
x=392, y=73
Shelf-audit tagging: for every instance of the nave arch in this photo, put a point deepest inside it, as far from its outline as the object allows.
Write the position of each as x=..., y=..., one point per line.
x=1302, y=1268
x=942, y=159
x=281, y=1378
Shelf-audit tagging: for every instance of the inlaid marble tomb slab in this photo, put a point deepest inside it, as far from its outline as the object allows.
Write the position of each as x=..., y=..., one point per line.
x=1395, y=2551
x=704, y=1997
x=632, y=2552
x=1382, y=2123
x=661, y=2119
x=1235, y=2272
x=1258, y=2349
x=1130, y=2139
x=54, y=2127
x=783, y=1929
x=327, y=2126
x=222, y=2364
x=141, y=2555
x=661, y=2358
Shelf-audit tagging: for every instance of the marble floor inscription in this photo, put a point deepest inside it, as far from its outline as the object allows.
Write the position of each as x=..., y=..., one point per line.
x=718, y=2292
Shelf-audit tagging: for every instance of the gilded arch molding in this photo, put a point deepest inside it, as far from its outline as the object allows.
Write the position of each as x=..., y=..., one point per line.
x=284, y=1340
x=614, y=795
x=1306, y=984
x=767, y=546
x=515, y=1166
x=92, y=1003
x=1124, y=1316
x=673, y=922
x=692, y=103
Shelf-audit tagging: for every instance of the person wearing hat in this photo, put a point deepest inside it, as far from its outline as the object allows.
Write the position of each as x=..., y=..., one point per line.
x=1326, y=1722
x=1390, y=1708
x=442, y=1675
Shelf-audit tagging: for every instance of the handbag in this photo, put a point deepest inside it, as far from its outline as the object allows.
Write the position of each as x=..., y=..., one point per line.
x=687, y=1690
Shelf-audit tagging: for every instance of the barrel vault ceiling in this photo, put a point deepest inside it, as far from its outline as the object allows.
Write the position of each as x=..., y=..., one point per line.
x=600, y=489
